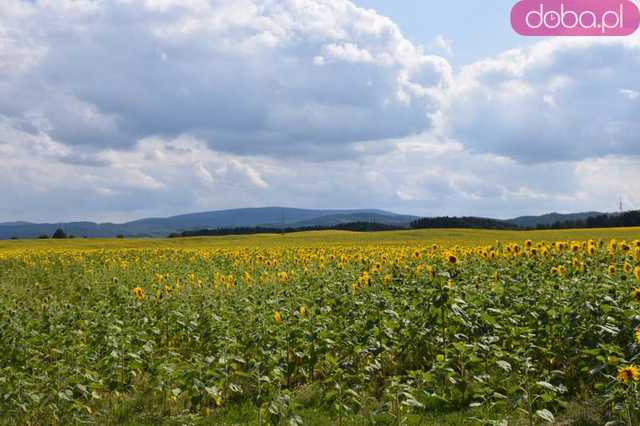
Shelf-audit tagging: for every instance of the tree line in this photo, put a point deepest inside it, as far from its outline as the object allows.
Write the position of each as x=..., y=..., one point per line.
x=613, y=220
x=462, y=222
x=352, y=226
x=60, y=234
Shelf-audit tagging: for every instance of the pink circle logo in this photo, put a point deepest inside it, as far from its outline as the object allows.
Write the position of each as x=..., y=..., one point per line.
x=575, y=17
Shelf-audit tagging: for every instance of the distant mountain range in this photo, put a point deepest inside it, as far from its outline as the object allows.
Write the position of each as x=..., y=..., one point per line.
x=272, y=217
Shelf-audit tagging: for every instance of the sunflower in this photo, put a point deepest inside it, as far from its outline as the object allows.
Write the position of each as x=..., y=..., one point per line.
x=636, y=294
x=636, y=335
x=277, y=316
x=636, y=272
x=452, y=258
x=283, y=277
x=387, y=279
x=138, y=293
x=430, y=271
x=612, y=269
x=303, y=312
x=627, y=373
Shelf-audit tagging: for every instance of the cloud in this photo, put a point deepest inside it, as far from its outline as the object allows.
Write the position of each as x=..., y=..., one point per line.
x=556, y=101
x=156, y=176
x=421, y=175
x=632, y=95
x=442, y=44
x=243, y=75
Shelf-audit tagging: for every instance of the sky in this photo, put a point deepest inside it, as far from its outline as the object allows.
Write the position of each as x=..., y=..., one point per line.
x=112, y=110
x=473, y=29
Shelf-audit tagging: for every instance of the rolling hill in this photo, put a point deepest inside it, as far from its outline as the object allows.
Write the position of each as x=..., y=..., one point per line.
x=271, y=217
x=250, y=217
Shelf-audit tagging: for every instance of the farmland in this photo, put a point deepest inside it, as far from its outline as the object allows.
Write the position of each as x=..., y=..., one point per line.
x=408, y=327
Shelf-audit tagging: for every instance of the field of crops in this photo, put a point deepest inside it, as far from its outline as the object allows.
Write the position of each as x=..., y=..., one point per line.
x=420, y=327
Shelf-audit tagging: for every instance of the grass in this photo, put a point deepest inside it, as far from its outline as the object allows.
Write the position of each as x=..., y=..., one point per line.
x=132, y=413
x=584, y=413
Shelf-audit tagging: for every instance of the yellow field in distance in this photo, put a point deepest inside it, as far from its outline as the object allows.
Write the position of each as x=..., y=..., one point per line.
x=447, y=237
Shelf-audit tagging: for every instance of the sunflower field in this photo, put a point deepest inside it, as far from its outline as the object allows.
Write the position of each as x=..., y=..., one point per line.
x=503, y=333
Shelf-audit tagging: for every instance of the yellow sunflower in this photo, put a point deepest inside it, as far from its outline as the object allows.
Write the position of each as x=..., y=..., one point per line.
x=630, y=372
x=138, y=293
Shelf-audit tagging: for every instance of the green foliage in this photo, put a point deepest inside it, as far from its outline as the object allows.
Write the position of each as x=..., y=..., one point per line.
x=389, y=334
x=59, y=234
